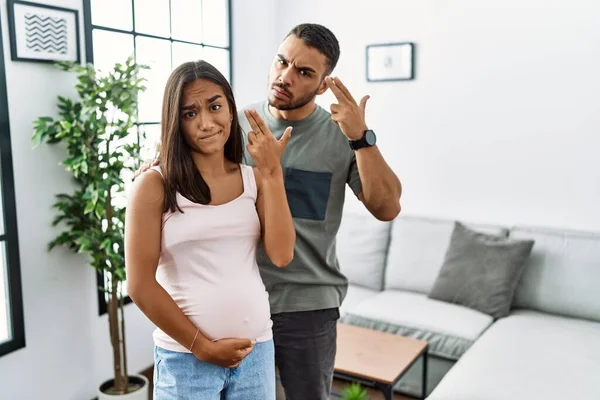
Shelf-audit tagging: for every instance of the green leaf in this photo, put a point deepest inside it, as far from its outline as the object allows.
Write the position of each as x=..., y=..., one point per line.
x=120, y=273
x=84, y=244
x=94, y=196
x=354, y=392
x=66, y=125
x=106, y=244
x=89, y=207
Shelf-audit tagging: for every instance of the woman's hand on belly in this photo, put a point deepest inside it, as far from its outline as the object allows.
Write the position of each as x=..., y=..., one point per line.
x=227, y=353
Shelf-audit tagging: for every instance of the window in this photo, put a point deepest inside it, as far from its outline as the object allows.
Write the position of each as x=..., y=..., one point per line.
x=12, y=332
x=161, y=34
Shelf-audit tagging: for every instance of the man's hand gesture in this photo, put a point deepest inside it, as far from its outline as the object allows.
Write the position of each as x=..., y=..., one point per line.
x=349, y=115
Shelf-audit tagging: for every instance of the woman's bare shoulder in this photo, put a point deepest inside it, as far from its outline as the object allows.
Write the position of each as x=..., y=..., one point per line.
x=148, y=187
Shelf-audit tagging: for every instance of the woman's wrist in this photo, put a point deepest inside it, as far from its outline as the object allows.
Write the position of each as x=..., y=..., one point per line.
x=274, y=174
x=201, y=347
x=194, y=341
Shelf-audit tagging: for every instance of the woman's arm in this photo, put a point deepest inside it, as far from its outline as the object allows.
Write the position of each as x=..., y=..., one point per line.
x=278, y=232
x=143, y=223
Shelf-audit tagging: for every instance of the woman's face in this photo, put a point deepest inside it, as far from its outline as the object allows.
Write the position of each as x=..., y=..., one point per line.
x=204, y=117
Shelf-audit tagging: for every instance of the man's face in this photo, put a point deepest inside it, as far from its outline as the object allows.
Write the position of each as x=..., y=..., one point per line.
x=297, y=75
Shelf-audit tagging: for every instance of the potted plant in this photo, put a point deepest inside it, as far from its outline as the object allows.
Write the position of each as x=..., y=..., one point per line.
x=354, y=392
x=96, y=131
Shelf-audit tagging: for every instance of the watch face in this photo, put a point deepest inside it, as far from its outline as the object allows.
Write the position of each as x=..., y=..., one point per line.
x=370, y=137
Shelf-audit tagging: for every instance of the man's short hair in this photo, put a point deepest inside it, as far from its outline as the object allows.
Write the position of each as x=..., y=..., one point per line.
x=319, y=37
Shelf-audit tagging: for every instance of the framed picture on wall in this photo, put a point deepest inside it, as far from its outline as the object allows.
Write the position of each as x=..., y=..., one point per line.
x=43, y=33
x=390, y=62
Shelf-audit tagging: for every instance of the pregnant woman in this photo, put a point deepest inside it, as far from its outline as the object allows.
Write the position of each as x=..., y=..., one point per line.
x=191, y=232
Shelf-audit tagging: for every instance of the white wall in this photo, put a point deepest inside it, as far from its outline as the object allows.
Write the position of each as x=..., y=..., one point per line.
x=68, y=350
x=254, y=46
x=502, y=123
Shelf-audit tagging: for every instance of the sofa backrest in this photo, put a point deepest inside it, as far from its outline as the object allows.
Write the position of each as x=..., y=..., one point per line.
x=562, y=274
x=417, y=249
x=362, y=243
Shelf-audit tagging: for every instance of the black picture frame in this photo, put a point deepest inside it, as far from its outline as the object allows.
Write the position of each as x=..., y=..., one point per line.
x=47, y=39
x=390, y=62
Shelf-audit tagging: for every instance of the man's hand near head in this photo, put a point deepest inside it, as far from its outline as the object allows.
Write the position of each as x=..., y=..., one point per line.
x=146, y=165
x=347, y=113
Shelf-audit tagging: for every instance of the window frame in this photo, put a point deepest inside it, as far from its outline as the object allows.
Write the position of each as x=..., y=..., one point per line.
x=89, y=57
x=10, y=238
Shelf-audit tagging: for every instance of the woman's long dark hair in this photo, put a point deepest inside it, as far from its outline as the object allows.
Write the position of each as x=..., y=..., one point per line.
x=178, y=167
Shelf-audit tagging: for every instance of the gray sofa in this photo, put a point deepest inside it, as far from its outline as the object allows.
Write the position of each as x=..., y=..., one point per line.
x=547, y=348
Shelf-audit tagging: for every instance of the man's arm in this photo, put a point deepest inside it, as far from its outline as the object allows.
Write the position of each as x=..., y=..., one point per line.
x=381, y=188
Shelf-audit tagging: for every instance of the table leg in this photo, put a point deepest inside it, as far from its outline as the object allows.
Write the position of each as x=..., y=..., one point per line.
x=424, y=379
x=388, y=392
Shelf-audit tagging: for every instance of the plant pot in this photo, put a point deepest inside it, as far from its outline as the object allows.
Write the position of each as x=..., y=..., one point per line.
x=138, y=389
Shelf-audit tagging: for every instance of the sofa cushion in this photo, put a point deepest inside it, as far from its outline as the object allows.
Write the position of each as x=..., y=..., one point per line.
x=481, y=271
x=355, y=295
x=417, y=249
x=450, y=329
x=362, y=243
x=562, y=274
x=528, y=355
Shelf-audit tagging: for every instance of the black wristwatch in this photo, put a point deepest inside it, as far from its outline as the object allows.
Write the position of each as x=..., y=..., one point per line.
x=368, y=140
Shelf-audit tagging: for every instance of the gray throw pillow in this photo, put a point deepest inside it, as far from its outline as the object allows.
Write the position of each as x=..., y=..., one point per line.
x=481, y=271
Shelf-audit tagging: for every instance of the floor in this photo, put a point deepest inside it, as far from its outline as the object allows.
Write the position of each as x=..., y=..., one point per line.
x=338, y=386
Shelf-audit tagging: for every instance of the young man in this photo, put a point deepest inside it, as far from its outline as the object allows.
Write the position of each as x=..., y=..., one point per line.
x=326, y=152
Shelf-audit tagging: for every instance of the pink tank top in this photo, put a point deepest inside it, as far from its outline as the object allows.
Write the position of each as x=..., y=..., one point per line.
x=208, y=266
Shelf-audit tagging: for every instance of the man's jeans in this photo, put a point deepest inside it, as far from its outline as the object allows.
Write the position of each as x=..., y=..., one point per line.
x=305, y=345
x=181, y=376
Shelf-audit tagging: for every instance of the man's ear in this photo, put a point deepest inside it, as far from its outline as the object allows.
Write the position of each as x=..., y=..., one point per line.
x=323, y=88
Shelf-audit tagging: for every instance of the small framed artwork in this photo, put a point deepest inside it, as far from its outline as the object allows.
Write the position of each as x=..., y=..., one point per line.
x=390, y=62
x=43, y=33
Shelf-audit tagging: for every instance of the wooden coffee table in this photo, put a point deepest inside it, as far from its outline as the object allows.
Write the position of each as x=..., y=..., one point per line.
x=377, y=359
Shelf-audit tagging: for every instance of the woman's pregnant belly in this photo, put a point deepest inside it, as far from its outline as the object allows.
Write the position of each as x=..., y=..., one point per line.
x=240, y=312
x=236, y=309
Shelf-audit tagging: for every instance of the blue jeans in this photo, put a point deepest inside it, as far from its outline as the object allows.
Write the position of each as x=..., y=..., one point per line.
x=181, y=376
